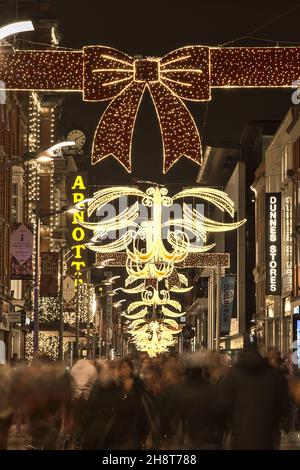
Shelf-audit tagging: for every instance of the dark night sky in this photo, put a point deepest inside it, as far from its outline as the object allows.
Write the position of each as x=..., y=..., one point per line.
x=154, y=28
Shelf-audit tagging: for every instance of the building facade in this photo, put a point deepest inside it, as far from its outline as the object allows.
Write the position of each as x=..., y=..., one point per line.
x=29, y=123
x=276, y=273
x=231, y=168
x=13, y=134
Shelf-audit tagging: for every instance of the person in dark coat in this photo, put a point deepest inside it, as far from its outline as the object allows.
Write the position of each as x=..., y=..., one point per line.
x=46, y=394
x=102, y=405
x=120, y=412
x=196, y=403
x=6, y=403
x=134, y=416
x=152, y=381
x=255, y=396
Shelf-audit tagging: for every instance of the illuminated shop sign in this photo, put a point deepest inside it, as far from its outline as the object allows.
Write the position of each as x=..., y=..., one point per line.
x=288, y=245
x=227, y=302
x=78, y=232
x=273, y=243
x=298, y=342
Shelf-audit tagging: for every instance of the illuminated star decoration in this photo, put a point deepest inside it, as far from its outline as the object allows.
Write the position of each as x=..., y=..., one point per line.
x=154, y=248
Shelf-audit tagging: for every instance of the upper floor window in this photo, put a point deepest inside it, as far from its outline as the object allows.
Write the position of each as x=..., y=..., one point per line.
x=284, y=163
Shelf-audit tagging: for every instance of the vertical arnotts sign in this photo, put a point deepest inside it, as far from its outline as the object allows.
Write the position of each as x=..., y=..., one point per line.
x=273, y=243
x=77, y=267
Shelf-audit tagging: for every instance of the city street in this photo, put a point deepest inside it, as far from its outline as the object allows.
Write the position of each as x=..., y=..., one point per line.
x=290, y=441
x=149, y=227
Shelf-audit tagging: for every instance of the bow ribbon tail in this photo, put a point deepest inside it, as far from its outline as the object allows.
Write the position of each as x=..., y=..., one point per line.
x=179, y=132
x=114, y=132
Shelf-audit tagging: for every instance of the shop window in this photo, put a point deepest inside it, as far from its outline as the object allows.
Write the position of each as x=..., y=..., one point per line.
x=286, y=307
x=270, y=310
x=296, y=154
x=287, y=336
x=270, y=334
x=276, y=334
x=284, y=163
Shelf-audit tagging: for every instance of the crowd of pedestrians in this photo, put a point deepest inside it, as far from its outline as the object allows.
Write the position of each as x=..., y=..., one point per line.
x=167, y=402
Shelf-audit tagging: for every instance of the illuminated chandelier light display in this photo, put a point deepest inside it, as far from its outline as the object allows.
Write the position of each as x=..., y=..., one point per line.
x=154, y=250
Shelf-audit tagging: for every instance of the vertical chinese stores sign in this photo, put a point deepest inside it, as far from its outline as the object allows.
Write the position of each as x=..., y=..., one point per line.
x=78, y=260
x=273, y=243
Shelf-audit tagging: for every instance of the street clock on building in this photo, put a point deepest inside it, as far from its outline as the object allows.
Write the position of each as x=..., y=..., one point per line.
x=78, y=137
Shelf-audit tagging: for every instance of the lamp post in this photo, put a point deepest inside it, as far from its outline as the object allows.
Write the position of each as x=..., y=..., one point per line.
x=14, y=28
x=100, y=331
x=44, y=156
x=218, y=307
x=36, y=293
x=77, y=316
x=61, y=306
x=92, y=309
x=77, y=312
x=108, y=282
x=39, y=215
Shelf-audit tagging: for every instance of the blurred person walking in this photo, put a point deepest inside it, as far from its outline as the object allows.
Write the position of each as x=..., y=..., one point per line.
x=134, y=416
x=83, y=376
x=102, y=404
x=6, y=403
x=46, y=394
x=256, y=400
x=19, y=390
x=196, y=403
x=152, y=381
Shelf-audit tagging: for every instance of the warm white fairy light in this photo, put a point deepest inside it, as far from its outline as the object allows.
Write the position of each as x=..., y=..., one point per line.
x=188, y=73
x=50, y=308
x=52, y=125
x=48, y=344
x=54, y=203
x=34, y=121
x=155, y=337
x=33, y=167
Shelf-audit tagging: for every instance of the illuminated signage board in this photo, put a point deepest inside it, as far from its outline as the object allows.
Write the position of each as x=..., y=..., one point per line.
x=78, y=235
x=227, y=302
x=288, y=245
x=273, y=243
x=298, y=342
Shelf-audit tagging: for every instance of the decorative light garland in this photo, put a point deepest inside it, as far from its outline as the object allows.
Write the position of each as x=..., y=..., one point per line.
x=48, y=344
x=187, y=73
x=49, y=310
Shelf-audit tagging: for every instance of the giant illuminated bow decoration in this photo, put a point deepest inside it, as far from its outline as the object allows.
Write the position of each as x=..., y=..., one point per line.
x=181, y=74
x=189, y=73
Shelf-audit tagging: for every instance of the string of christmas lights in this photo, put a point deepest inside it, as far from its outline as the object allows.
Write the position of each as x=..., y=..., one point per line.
x=48, y=344
x=188, y=73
